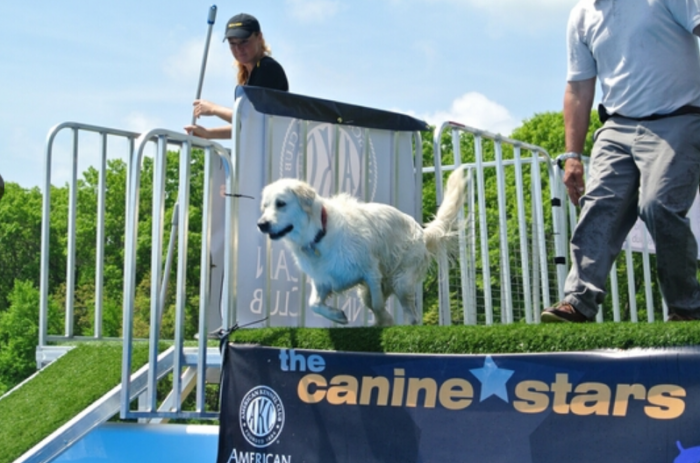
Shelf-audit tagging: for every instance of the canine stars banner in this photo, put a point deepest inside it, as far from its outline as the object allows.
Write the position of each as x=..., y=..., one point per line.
x=289, y=406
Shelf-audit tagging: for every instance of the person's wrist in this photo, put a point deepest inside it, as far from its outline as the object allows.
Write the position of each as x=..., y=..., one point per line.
x=561, y=159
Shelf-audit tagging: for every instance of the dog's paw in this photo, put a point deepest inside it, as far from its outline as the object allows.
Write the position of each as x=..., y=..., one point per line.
x=331, y=313
x=383, y=318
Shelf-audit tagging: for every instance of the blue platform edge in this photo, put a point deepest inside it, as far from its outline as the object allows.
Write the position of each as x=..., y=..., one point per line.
x=135, y=443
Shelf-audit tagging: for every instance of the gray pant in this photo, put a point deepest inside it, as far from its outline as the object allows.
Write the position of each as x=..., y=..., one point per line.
x=645, y=168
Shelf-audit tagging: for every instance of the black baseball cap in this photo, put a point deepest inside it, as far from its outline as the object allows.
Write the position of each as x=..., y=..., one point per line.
x=241, y=26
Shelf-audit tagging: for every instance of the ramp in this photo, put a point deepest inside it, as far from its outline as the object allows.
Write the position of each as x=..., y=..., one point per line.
x=98, y=413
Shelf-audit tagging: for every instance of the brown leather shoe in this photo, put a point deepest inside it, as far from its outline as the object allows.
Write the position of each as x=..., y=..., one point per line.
x=682, y=317
x=562, y=312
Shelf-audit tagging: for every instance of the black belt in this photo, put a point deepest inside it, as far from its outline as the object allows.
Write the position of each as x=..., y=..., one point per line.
x=604, y=115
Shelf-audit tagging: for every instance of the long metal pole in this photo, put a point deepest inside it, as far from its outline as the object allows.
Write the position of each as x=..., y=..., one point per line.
x=173, y=230
x=210, y=21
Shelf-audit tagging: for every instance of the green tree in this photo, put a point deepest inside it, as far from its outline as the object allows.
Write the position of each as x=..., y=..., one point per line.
x=547, y=130
x=20, y=238
x=19, y=334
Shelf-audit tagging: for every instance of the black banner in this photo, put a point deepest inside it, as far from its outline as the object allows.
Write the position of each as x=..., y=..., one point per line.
x=293, y=406
x=279, y=103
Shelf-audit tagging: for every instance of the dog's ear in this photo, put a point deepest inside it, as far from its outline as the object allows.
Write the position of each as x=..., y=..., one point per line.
x=306, y=195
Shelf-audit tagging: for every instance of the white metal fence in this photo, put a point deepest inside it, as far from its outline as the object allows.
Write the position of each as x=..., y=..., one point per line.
x=501, y=278
x=193, y=363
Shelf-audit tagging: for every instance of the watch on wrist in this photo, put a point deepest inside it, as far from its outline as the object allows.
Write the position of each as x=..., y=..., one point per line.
x=561, y=159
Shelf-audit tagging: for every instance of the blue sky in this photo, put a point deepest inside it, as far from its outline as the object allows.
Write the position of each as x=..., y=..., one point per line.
x=135, y=65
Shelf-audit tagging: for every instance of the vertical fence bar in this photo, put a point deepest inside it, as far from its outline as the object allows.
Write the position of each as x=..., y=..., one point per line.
x=183, y=208
x=233, y=185
x=483, y=230
x=615, y=292
x=100, y=254
x=437, y=160
x=444, y=315
x=45, y=241
x=159, y=166
x=205, y=276
x=559, y=203
x=131, y=236
x=468, y=317
x=471, y=264
x=506, y=288
x=631, y=289
x=522, y=233
x=537, y=290
x=72, y=218
x=229, y=246
x=647, y=278
x=539, y=218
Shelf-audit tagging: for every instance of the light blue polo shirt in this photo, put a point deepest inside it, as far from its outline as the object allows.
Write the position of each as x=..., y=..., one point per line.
x=642, y=51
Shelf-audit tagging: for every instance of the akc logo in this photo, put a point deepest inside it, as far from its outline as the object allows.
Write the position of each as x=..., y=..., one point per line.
x=261, y=416
x=330, y=154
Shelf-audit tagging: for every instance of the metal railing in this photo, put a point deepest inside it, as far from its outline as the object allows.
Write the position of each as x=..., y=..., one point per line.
x=537, y=278
x=532, y=268
x=76, y=129
x=200, y=359
x=205, y=357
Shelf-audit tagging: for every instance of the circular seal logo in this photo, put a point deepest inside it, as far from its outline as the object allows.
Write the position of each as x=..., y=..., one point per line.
x=261, y=416
x=333, y=154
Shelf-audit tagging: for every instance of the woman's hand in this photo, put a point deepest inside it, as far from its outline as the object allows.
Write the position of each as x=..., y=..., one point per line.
x=204, y=108
x=198, y=131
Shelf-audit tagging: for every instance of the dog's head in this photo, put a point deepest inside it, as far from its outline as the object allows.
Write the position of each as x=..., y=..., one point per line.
x=288, y=210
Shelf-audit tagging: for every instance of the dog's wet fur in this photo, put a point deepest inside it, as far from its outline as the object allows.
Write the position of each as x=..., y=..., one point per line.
x=341, y=243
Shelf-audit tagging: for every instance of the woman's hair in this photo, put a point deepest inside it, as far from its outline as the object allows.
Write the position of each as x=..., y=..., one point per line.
x=242, y=70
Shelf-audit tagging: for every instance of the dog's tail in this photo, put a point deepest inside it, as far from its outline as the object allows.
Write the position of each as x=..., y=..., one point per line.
x=437, y=233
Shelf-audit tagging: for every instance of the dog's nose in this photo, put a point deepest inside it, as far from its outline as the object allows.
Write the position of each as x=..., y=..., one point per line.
x=264, y=226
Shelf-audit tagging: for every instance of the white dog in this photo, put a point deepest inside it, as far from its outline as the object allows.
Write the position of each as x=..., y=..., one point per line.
x=340, y=243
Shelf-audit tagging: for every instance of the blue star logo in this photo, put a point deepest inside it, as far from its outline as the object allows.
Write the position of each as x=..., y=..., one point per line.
x=493, y=380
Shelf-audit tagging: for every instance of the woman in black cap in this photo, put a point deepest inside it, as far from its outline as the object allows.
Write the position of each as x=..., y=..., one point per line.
x=255, y=67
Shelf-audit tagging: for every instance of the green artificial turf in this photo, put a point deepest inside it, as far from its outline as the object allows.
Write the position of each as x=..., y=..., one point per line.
x=59, y=392
x=515, y=338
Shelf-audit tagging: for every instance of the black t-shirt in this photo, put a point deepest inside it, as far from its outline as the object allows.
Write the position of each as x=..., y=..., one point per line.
x=268, y=73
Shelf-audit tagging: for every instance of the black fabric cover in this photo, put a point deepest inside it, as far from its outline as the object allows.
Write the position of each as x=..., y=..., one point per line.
x=278, y=103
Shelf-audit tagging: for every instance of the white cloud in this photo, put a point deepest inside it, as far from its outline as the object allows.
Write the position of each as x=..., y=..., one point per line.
x=475, y=110
x=313, y=10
